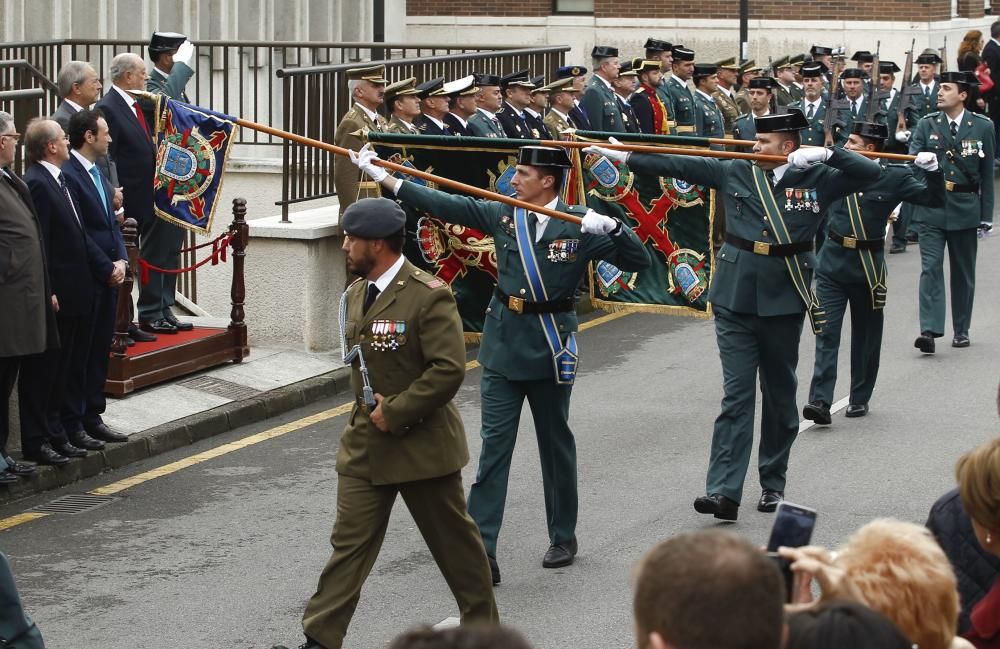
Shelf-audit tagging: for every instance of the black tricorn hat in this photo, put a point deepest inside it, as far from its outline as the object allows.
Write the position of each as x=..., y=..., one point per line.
x=762, y=83
x=543, y=156
x=863, y=56
x=603, y=52
x=870, y=130
x=789, y=122
x=373, y=218
x=888, y=67
x=702, y=70
x=656, y=45
x=929, y=56
x=682, y=53
x=821, y=50
x=486, y=79
x=853, y=73
x=519, y=78
x=964, y=78
x=164, y=42
x=813, y=69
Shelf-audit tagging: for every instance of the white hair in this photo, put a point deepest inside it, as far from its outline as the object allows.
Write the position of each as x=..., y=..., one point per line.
x=123, y=64
x=352, y=85
x=71, y=74
x=6, y=121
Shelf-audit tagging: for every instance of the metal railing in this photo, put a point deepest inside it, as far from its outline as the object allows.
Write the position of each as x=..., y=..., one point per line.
x=315, y=98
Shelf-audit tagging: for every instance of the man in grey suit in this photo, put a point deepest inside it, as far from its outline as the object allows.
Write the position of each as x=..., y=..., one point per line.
x=26, y=300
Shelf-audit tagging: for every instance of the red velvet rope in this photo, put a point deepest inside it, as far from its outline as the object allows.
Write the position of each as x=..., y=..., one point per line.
x=222, y=236
x=220, y=248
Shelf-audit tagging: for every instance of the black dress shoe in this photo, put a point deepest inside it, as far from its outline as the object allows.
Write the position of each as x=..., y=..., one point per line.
x=103, y=433
x=912, y=237
x=160, y=326
x=17, y=468
x=129, y=342
x=817, y=411
x=181, y=326
x=46, y=455
x=494, y=570
x=925, y=343
x=897, y=248
x=140, y=336
x=769, y=499
x=69, y=450
x=960, y=340
x=81, y=439
x=856, y=410
x=559, y=555
x=717, y=504
x=6, y=477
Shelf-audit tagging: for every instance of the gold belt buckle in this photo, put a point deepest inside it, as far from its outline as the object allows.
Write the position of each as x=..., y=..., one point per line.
x=949, y=185
x=515, y=304
x=761, y=248
x=850, y=242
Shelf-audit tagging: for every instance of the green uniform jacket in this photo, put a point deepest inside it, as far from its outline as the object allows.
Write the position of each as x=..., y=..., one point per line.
x=784, y=97
x=848, y=119
x=814, y=135
x=682, y=109
x=514, y=344
x=708, y=118
x=973, y=152
x=922, y=105
x=743, y=101
x=600, y=102
x=897, y=183
x=347, y=177
x=727, y=106
x=397, y=125
x=482, y=126
x=744, y=129
x=418, y=371
x=17, y=630
x=745, y=282
x=173, y=85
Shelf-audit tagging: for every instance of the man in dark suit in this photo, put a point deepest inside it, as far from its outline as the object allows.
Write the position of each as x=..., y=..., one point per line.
x=76, y=268
x=461, y=96
x=79, y=88
x=991, y=57
x=28, y=325
x=516, y=89
x=433, y=108
x=89, y=139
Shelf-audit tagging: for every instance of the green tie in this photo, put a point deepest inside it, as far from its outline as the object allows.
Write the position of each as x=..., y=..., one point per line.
x=927, y=92
x=854, y=109
x=809, y=112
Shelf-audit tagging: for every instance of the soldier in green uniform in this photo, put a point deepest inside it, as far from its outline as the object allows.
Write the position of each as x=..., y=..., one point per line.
x=367, y=89
x=488, y=101
x=964, y=144
x=17, y=630
x=708, y=117
x=404, y=436
x=865, y=61
x=853, y=80
x=760, y=91
x=812, y=105
x=528, y=349
x=725, y=92
x=851, y=270
x=889, y=108
x=786, y=92
x=624, y=87
x=404, y=106
x=748, y=71
x=598, y=100
x=681, y=104
x=761, y=291
x=535, y=111
x=562, y=97
x=662, y=51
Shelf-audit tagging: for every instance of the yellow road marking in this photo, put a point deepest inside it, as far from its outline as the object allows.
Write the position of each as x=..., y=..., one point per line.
x=204, y=456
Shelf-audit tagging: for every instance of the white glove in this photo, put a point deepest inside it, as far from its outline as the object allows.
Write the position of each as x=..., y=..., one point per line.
x=184, y=53
x=802, y=158
x=985, y=226
x=902, y=137
x=611, y=154
x=594, y=223
x=927, y=161
x=365, y=161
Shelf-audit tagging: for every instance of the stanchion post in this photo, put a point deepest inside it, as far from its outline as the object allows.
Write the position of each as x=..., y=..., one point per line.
x=123, y=312
x=241, y=236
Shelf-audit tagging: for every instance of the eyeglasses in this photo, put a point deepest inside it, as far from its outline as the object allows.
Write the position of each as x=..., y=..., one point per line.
x=15, y=135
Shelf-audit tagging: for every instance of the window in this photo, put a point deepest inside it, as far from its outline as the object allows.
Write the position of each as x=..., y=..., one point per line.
x=574, y=6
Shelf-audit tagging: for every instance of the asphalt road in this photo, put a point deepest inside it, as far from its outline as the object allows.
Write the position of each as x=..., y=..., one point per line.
x=224, y=553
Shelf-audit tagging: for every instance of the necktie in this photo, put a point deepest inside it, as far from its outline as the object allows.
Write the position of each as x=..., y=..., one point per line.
x=770, y=178
x=69, y=199
x=96, y=176
x=447, y=131
x=497, y=126
x=533, y=226
x=954, y=129
x=927, y=91
x=810, y=111
x=370, y=297
x=139, y=116
x=854, y=108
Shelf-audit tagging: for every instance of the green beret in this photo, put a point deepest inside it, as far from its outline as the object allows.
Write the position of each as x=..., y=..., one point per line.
x=373, y=218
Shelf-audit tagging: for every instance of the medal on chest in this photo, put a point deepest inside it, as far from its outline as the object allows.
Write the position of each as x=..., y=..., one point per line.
x=388, y=335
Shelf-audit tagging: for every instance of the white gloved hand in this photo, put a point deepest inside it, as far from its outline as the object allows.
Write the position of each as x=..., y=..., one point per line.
x=802, y=158
x=903, y=136
x=184, y=53
x=611, y=154
x=595, y=223
x=365, y=161
x=927, y=161
x=986, y=226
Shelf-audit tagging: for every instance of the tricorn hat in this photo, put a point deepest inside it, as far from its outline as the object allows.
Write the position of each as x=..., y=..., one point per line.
x=813, y=69
x=485, y=79
x=702, y=70
x=682, y=53
x=887, y=67
x=164, y=42
x=930, y=55
x=543, y=156
x=762, y=83
x=656, y=45
x=519, y=78
x=603, y=52
x=870, y=130
x=963, y=78
x=788, y=122
x=863, y=56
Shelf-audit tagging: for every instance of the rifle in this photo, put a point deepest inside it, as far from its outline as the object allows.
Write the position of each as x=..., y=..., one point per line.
x=907, y=91
x=835, y=103
x=944, y=55
x=875, y=96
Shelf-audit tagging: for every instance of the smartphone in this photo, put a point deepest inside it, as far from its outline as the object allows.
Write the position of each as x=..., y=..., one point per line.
x=793, y=528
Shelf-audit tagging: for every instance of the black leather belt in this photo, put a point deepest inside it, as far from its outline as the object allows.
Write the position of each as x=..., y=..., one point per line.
x=972, y=188
x=521, y=305
x=857, y=244
x=770, y=249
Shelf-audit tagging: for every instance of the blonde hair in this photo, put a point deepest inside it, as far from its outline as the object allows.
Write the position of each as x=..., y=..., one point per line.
x=970, y=43
x=978, y=474
x=902, y=573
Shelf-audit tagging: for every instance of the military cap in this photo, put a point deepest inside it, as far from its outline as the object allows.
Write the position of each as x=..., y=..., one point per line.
x=728, y=64
x=626, y=70
x=702, y=70
x=656, y=45
x=603, y=52
x=853, y=73
x=542, y=156
x=781, y=63
x=788, y=122
x=165, y=42
x=820, y=50
x=963, y=78
x=569, y=71
x=373, y=73
x=373, y=218
x=930, y=55
x=839, y=53
x=749, y=66
x=870, y=130
x=539, y=84
x=519, y=78
x=562, y=85
x=887, y=67
x=641, y=65
x=429, y=88
x=483, y=79
x=682, y=53
x=406, y=86
x=798, y=59
x=762, y=83
x=458, y=87
x=813, y=69
x=863, y=56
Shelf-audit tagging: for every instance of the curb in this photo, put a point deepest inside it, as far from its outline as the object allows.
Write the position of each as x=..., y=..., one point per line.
x=181, y=432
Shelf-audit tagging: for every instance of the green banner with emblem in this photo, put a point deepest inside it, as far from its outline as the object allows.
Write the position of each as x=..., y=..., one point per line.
x=672, y=217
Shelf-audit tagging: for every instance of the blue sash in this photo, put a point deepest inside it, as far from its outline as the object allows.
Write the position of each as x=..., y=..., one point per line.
x=564, y=357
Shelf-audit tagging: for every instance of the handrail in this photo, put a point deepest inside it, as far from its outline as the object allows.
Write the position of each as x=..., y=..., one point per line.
x=259, y=43
x=35, y=72
x=14, y=95
x=443, y=58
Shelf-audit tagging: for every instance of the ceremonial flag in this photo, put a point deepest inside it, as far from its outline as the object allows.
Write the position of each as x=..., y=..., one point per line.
x=192, y=150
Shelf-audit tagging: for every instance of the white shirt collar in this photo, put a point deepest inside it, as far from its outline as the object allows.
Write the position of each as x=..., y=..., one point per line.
x=679, y=82
x=51, y=168
x=779, y=172
x=129, y=99
x=603, y=80
x=160, y=72
x=560, y=113
x=440, y=124
x=460, y=120
x=372, y=115
x=531, y=112
x=705, y=95
x=543, y=219
x=408, y=125
x=386, y=278
x=815, y=103
x=486, y=112
x=957, y=120
x=87, y=164
x=72, y=104
x=513, y=109
x=928, y=85
x=726, y=91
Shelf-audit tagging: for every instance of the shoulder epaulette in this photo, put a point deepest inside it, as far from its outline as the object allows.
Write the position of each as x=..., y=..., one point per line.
x=351, y=285
x=743, y=116
x=428, y=279
x=981, y=116
x=934, y=114
x=576, y=209
x=499, y=110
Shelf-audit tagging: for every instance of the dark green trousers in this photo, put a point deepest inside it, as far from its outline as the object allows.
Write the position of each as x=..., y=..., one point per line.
x=159, y=243
x=903, y=224
x=748, y=345
x=16, y=628
x=962, y=246
x=866, y=340
x=438, y=508
x=502, y=400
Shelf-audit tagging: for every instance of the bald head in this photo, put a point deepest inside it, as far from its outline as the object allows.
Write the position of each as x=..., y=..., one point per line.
x=44, y=140
x=128, y=72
